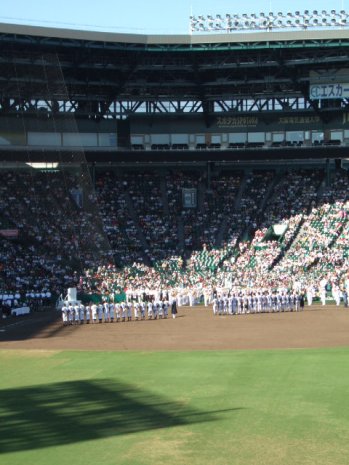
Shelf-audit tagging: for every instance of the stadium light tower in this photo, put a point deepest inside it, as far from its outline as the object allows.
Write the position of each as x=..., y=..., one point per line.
x=269, y=21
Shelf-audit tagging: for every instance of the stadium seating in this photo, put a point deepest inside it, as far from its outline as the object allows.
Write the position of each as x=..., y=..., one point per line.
x=134, y=231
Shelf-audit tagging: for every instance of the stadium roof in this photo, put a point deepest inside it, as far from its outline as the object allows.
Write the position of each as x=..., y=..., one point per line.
x=189, y=39
x=108, y=75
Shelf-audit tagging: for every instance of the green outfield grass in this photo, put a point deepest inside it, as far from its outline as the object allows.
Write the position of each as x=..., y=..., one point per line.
x=178, y=408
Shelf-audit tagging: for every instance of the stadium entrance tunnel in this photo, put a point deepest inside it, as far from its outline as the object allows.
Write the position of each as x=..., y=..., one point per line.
x=62, y=413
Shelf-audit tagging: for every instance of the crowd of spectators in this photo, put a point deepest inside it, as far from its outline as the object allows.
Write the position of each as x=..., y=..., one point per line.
x=131, y=231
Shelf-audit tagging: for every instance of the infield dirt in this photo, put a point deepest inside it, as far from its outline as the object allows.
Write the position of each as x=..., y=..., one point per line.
x=195, y=328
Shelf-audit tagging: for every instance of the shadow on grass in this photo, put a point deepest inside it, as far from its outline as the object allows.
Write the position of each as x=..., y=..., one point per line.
x=69, y=412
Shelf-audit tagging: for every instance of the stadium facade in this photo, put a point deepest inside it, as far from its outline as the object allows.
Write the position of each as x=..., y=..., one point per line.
x=178, y=158
x=121, y=97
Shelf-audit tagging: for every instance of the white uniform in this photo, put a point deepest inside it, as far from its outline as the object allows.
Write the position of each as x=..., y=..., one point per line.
x=111, y=312
x=77, y=313
x=336, y=292
x=88, y=313
x=123, y=311
x=64, y=315
x=94, y=312
x=166, y=307
x=71, y=314
x=143, y=310
x=310, y=295
x=136, y=310
x=82, y=313
x=117, y=311
x=215, y=306
x=150, y=310
x=129, y=311
x=100, y=313
x=106, y=311
x=155, y=310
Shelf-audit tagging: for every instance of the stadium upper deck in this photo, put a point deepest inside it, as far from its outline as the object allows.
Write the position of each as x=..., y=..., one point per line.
x=222, y=92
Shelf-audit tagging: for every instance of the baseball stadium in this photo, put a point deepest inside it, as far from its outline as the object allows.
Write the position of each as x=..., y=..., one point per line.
x=174, y=243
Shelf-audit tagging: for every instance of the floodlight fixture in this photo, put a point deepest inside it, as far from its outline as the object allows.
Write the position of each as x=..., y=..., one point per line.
x=269, y=21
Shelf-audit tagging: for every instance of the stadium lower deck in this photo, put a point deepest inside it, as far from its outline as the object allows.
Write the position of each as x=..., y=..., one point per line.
x=129, y=229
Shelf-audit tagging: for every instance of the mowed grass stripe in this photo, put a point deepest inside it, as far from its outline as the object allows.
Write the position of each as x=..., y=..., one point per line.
x=244, y=407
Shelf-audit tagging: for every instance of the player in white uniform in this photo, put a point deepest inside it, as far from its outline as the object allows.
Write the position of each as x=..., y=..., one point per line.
x=155, y=310
x=136, y=310
x=215, y=306
x=206, y=297
x=167, y=308
x=234, y=304
x=160, y=309
x=225, y=304
x=82, y=313
x=258, y=301
x=106, y=312
x=111, y=312
x=129, y=311
x=150, y=310
x=143, y=310
x=337, y=294
x=279, y=301
x=94, y=313
x=310, y=294
x=65, y=315
x=76, y=314
x=123, y=311
x=71, y=314
x=100, y=313
x=117, y=311
x=88, y=314
x=250, y=299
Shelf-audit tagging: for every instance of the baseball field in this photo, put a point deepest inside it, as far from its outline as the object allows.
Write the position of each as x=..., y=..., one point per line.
x=198, y=390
